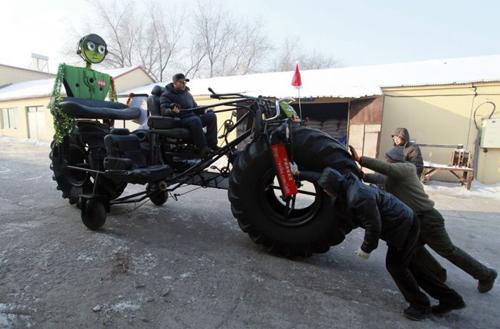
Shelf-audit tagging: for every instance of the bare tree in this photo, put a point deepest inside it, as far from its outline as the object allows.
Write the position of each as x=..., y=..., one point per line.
x=225, y=45
x=165, y=34
x=148, y=36
x=291, y=53
x=196, y=56
x=209, y=42
x=316, y=61
x=286, y=59
x=252, y=49
x=213, y=35
x=119, y=28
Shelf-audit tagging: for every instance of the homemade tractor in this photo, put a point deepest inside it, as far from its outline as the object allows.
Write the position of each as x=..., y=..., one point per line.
x=93, y=161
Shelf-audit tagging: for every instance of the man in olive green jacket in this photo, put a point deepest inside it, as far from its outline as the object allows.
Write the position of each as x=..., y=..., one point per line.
x=401, y=180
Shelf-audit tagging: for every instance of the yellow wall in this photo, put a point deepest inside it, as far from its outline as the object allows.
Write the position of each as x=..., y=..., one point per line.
x=433, y=118
x=12, y=75
x=130, y=80
x=221, y=117
x=22, y=118
x=20, y=107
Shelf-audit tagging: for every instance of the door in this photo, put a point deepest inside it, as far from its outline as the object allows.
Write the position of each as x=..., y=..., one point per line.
x=36, y=122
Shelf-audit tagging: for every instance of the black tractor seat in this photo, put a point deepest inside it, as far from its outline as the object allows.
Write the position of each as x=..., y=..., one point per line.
x=126, y=161
x=168, y=127
x=164, y=125
x=93, y=109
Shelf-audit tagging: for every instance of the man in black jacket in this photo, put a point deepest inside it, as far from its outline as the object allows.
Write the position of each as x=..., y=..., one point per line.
x=177, y=101
x=384, y=217
x=398, y=178
x=401, y=137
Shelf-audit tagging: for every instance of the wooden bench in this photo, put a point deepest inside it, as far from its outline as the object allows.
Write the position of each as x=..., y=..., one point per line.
x=464, y=174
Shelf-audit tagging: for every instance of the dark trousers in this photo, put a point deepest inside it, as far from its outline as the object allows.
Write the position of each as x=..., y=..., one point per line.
x=195, y=124
x=433, y=233
x=409, y=277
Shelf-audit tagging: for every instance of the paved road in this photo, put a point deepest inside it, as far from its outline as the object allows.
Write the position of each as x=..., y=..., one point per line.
x=187, y=265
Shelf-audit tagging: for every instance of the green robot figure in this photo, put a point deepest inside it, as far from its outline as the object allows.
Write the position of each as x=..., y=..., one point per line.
x=81, y=82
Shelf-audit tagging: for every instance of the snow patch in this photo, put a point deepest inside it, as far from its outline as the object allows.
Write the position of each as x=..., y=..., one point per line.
x=107, y=241
x=85, y=258
x=257, y=278
x=144, y=263
x=390, y=291
x=125, y=306
x=7, y=139
x=186, y=275
x=15, y=316
x=4, y=170
x=20, y=227
x=3, y=259
x=477, y=189
x=33, y=178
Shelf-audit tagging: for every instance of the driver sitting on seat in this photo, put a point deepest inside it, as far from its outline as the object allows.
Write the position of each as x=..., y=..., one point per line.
x=175, y=100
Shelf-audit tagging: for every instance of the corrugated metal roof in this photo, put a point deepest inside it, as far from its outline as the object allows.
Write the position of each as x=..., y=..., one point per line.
x=352, y=82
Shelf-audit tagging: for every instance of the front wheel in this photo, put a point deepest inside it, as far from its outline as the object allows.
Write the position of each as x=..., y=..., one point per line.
x=158, y=194
x=93, y=214
x=305, y=225
x=159, y=198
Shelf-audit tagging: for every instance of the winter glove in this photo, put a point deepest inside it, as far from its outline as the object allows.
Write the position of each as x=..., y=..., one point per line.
x=354, y=153
x=362, y=254
x=175, y=108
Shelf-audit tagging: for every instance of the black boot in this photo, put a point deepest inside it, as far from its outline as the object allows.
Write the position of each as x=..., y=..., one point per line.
x=442, y=275
x=205, y=152
x=444, y=308
x=486, y=285
x=417, y=313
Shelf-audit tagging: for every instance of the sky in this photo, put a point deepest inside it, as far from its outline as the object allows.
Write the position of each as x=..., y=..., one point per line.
x=355, y=32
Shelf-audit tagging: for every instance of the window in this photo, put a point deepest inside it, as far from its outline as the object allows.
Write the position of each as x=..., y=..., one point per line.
x=9, y=119
x=38, y=108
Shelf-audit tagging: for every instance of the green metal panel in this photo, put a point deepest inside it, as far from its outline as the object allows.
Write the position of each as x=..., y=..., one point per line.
x=86, y=83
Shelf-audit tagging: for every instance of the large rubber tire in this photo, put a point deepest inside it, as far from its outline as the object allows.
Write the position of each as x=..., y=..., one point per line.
x=259, y=213
x=73, y=183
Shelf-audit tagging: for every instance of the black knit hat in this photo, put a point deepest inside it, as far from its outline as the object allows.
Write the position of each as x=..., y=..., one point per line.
x=179, y=76
x=396, y=154
x=331, y=180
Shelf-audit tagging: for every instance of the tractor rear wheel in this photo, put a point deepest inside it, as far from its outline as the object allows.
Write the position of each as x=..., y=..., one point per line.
x=307, y=225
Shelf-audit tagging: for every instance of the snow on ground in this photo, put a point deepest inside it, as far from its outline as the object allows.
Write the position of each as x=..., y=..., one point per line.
x=15, y=140
x=15, y=316
x=454, y=189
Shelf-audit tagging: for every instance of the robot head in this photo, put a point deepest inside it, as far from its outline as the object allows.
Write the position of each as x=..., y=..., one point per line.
x=92, y=48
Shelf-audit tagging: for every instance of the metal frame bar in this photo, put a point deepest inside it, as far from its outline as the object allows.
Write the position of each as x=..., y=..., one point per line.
x=191, y=172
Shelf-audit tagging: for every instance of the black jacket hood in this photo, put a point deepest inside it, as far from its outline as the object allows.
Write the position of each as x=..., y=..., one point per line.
x=403, y=133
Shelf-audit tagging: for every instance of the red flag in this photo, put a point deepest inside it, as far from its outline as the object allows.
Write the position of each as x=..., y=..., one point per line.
x=297, y=81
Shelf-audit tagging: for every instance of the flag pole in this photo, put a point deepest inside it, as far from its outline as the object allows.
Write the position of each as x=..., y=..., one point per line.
x=300, y=106
x=297, y=83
